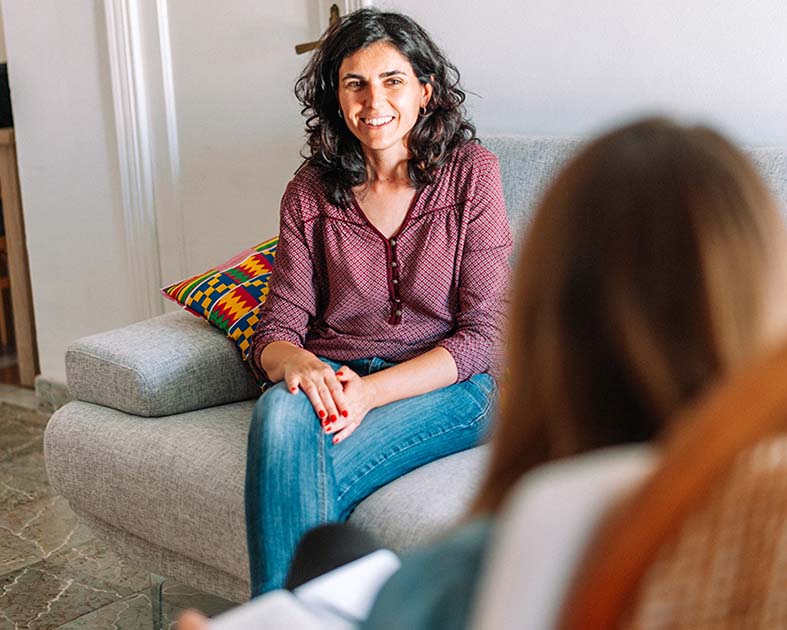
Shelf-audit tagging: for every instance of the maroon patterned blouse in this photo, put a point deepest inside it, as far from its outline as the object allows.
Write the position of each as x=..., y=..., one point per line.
x=342, y=290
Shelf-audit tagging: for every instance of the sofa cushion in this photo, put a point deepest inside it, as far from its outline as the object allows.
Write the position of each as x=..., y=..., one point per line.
x=229, y=295
x=177, y=482
x=165, y=365
x=527, y=165
x=771, y=162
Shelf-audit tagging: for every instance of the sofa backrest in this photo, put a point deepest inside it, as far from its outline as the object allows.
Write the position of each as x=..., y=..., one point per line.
x=528, y=164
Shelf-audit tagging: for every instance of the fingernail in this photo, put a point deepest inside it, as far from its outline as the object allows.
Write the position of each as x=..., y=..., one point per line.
x=345, y=414
x=327, y=428
x=332, y=417
x=339, y=373
x=335, y=440
x=322, y=413
x=293, y=389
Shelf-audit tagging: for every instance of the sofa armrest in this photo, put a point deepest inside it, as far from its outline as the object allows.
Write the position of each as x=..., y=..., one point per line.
x=162, y=366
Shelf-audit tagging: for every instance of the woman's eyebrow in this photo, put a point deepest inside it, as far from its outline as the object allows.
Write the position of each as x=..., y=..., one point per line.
x=382, y=75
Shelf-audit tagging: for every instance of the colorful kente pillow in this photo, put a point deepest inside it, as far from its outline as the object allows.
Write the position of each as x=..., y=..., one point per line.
x=229, y=296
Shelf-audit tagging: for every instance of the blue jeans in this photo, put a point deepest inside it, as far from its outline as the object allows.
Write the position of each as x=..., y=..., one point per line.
x=296, y=478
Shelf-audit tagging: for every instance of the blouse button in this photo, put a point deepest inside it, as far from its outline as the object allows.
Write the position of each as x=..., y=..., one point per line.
x=393, y=242
x=395, y=281
x=398, y=312
x=393, y=263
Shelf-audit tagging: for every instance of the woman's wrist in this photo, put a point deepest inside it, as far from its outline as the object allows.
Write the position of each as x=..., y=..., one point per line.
x=275, y=356
x=373, y=391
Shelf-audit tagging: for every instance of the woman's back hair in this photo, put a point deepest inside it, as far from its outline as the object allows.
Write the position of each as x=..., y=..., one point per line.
x=647, y=273
x=332, y=148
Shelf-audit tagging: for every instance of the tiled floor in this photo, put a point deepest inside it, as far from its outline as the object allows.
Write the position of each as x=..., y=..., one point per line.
x=53, y=573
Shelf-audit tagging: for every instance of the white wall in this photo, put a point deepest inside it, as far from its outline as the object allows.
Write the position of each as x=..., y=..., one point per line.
x=572, y=66
x=557, y=66
x=239, y=125
x=68, y=172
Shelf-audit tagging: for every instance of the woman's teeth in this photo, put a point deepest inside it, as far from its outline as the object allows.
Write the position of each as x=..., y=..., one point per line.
x=378, y=122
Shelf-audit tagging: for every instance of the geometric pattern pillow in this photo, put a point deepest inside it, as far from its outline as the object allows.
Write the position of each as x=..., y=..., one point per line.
x=229, y=295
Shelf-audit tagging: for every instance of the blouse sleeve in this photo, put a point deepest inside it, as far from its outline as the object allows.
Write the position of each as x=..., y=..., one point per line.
x=292, y=297
x=483, y=278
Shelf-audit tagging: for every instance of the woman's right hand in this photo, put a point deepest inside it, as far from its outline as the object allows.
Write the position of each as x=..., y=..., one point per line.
x=301, y=369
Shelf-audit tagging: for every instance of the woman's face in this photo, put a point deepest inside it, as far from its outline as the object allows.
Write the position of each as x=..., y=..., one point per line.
x=380, y=98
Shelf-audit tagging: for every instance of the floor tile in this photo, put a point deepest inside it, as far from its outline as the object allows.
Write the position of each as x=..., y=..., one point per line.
x=69, y=585
x=19, y=396
x=17, y=436
x=17, y=491
x=180, y=596
x=21, y=448
x=23, y=413
x=39, y=530
x=130, y=613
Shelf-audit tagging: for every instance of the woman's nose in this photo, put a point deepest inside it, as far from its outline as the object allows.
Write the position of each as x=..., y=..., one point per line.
x=375, y=95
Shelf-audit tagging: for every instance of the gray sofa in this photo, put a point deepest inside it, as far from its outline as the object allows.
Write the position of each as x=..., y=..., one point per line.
x=151, y=454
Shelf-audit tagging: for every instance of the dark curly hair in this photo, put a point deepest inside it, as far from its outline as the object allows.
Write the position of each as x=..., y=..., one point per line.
x=332, y=148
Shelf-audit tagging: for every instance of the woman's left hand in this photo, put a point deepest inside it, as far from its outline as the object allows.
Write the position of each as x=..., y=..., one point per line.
x=359, y=399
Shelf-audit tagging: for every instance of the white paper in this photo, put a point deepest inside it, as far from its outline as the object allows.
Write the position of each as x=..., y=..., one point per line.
x=351, y=589
x=337, y=600
x=277, y=610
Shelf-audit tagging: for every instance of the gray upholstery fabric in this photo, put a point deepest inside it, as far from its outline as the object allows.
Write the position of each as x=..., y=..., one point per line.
x=168, y=364
x=527, y=164
x=772, y=165
x=154, y=559
x=177, y=482
x=167, y=492
x=420, y=506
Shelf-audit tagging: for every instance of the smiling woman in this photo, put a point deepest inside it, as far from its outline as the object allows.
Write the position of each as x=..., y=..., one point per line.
x=440, y=127
x=381, y=324
x=380, y=99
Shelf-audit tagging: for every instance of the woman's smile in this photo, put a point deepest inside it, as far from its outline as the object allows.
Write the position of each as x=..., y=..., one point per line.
x=377, y=121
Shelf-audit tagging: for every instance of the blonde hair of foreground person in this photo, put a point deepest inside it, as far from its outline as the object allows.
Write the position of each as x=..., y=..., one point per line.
x=655, y=264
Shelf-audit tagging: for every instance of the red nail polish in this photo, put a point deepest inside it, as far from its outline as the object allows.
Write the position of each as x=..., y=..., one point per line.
x=328, y=428
x=332, y=417
x=345, y=414
x=339, y=373
x=335, y=440
x=322, y=413
x=293, y=389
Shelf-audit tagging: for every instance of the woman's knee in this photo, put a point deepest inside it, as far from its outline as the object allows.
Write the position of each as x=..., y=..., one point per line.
x=279, y=414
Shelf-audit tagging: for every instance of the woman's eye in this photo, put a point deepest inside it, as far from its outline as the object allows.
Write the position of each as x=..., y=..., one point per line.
x=395, y=81
x=354, y=84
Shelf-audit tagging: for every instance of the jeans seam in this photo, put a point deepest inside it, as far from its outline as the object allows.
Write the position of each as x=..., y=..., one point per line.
x=322, y=479
x=466, y=425
x=488, y=393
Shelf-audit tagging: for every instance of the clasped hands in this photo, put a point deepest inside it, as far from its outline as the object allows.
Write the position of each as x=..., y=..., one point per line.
x=341, y=399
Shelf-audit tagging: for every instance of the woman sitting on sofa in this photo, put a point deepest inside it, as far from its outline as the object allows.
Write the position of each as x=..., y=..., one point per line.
x=385, y=304
x=655, y=265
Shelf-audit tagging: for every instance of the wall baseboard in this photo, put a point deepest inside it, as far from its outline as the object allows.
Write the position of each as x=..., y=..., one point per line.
x=51, y=395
